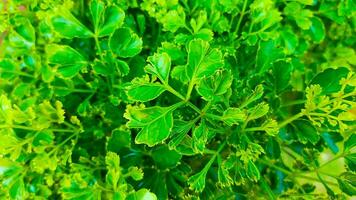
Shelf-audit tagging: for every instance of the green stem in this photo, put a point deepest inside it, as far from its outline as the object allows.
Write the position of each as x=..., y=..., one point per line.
x=18, y=73
x=291, y=119
x=173, y=91
x=292, y=103
x=292, y=174
x=177, y=94
x=73, y=89
x=64, y=142
x=194, y=107
x=241, y=17
x=331, y=160
x=97, y=44
x=216, y=117
x=253, y=129
x=190, y=89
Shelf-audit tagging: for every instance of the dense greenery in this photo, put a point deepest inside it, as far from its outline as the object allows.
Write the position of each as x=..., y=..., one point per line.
x=177, y=99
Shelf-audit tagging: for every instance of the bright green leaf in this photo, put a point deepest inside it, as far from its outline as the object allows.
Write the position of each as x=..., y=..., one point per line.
x=144, y=91
x=160, y=66
x=125, y=43
x=68, y=60
x=216, y=85
x=317, y=30
x=165, y=158
x=155, y=123
x=233, y=116
x=113, y=18
x=202, y=60
x=68, y=26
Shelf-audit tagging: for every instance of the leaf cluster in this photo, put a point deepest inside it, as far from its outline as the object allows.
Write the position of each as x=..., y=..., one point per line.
x=177, y=99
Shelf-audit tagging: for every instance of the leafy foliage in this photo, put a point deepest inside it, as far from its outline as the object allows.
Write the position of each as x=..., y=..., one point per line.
x=168, y=99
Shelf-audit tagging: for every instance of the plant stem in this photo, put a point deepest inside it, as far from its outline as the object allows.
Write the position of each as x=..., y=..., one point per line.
x=174, y=92
x=241, y=17
x=296, y=102
x=252, y=129
x=190, y=89
x=293, y=174
x=64, y=142
x=97, y=44
x=289, y=120
x=331, y=160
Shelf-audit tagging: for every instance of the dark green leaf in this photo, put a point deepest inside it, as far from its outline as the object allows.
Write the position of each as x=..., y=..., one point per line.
x=165, y=158
x=305, y=131
x=329, y=79
x=347, y=183
x=268, y=53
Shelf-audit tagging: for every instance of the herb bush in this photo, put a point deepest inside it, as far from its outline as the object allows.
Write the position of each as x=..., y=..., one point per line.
x=177, y=99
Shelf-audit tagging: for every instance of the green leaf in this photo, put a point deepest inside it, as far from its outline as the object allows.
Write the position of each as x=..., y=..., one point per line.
x=43, y=162
x=300, y=15
x=101, y=68
x=350, y=160
x=317, y=30
x=233, y=116
x=273, y=149
x=7, y=69
x=202, y=60
x=347, y=183
x=68, y=26
x=113, y=19
x=329, y=79
x=306, y=2
x=96, y=8
x=252, y=171
x=125, y=43
x=218, y=84
x=119, y=139
x=179, y=131
x=258, y=111
x=350, y=143
x=197, y=181
x=160, y=66
x=268, y=53
x=305, y=131
x=282, y=72
x=12, y=179
x=223, y=174
x=255, y=95
x=144, y=91
x=142, y=194
x=200, y=137
x=44, y=137
x=67, y=60
x=23, y=34
x=165, y=158
x=290, y=40
x=155, y=123
x=112, y=161
x=178, y=73
x=6, y=111
x=173, y=20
